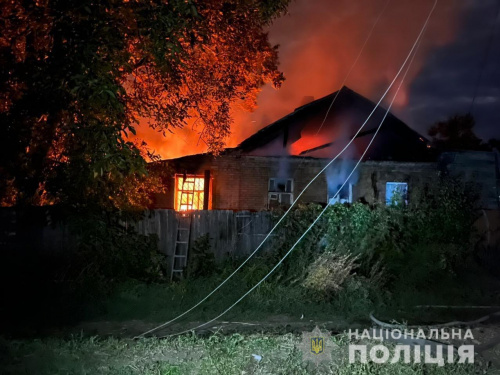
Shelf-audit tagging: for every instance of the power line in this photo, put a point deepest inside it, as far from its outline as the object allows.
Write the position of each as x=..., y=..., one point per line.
x=314, y=222
x=411, y=55
x=342, y=85
x=300, y=194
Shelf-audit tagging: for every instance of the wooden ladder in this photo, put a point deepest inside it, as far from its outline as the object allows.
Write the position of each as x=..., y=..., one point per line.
x=181, y=249
x=179, y=262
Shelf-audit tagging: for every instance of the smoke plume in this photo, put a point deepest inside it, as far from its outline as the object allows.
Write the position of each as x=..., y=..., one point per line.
x=319, y=40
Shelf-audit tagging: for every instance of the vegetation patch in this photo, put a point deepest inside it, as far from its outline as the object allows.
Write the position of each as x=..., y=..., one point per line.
x=234, y=354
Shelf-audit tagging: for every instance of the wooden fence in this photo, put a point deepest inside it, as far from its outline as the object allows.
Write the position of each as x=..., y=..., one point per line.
x=24, y=232
x=231, y=233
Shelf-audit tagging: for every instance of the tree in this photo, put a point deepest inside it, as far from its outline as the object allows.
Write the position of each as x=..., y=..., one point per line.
x=77, y=75
x=456, y=133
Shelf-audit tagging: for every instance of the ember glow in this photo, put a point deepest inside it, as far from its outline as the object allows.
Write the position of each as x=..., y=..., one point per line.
x=318, y=45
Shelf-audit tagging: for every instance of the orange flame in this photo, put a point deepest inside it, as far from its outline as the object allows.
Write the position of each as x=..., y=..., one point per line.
x=318, y=45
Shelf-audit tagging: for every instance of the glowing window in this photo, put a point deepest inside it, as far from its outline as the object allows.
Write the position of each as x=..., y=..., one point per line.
x=189, y=192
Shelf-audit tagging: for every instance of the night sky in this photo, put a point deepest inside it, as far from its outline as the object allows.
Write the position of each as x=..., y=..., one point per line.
x=319, y=41
x=449, y=78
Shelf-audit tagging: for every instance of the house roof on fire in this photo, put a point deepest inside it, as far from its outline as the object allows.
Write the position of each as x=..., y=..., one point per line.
x=301, y=133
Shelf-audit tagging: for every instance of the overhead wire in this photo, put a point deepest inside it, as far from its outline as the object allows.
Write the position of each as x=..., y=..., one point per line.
x=410, y=57
x=297, y=199
x=368, y=37
x=344, y=81
x=308, y=229
x=353, y=65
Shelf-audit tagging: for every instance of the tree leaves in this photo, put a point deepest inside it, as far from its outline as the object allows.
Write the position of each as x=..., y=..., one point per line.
x=456, y=133
x=92, y=69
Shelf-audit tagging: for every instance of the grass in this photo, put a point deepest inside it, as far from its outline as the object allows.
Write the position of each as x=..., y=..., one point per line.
x=158, y=302
x=353, y=304
x=281, y=301
x=190, y=355
x=37, y=313
x=414, y=274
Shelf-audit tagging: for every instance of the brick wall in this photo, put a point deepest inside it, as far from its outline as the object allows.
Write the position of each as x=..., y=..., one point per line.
x=241, y=182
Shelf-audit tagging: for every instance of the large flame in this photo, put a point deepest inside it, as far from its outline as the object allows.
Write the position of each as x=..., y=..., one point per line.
x=318, y=43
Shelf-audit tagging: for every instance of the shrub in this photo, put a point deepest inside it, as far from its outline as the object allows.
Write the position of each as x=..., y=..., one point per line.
x=293, y=270
x=117, y=254
x=106, y=249
x=328, y=273
x=431, y=238
x=391, y=248
x=201, y=259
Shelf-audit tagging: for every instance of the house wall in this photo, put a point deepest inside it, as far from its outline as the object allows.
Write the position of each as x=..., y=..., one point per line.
x=241, y=182
x=374, y=175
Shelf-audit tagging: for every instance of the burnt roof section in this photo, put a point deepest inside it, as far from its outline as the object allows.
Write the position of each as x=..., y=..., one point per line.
x=350, y=110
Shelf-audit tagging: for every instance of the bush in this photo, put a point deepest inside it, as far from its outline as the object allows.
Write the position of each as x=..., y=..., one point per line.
x=392, y=249
x=293, y=270
x=201, y=261
x=108, y=250
x=328, y=273
x=431, y=238
x=417, y=245
x=120, y=254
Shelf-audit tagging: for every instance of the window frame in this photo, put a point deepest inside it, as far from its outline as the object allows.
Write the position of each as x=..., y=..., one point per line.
x=274, y=179
x=277, y=195
x=349, y=199
x=389, y=201
x=197, y=193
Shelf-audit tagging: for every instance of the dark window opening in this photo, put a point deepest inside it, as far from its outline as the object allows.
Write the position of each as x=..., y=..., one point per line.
x=343, y=196
x=280, y=192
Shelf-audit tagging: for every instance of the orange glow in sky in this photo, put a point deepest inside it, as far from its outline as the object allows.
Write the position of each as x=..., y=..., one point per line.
x=319, y=41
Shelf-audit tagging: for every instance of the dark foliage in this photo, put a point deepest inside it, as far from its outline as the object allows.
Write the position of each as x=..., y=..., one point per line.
x=457, y=133
x=76, y=76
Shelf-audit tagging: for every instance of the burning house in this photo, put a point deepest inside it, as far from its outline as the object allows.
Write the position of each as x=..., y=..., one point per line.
x=271, y=167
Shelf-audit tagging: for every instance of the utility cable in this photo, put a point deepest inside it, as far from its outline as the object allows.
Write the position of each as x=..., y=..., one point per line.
x=353, y=65
x=412, y=55
x=300, y=194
